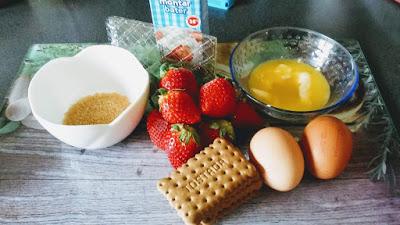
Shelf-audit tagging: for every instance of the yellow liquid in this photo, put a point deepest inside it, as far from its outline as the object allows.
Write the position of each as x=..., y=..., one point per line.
x=289, y=84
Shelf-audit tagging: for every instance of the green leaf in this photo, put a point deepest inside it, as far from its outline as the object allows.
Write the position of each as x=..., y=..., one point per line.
x=228, y=129
x=183, y=137
x=185, y=134
x=195, y=136
x=164, y=68
x=154, y=99
x=162, y=91
x=9, y=127
x=222, y=132
x=176, y=127
x=214, y=125
x=220, y=75
x=3, y=121
x=188, y=135
x=154, y=71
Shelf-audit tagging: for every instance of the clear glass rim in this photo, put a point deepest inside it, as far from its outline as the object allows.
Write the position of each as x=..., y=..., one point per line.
x=344, y=99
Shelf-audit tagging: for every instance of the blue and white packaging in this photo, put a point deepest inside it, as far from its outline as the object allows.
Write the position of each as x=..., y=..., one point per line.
x=191, y=14
x=181, y=28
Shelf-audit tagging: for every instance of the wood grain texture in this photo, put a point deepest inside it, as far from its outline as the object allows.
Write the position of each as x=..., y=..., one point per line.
x=43, y=181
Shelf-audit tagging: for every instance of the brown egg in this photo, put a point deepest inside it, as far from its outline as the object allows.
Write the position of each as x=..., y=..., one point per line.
x=327, y=145
x=278, y=158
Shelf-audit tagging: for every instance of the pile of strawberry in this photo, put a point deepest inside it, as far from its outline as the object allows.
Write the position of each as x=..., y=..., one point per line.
x=188, y=117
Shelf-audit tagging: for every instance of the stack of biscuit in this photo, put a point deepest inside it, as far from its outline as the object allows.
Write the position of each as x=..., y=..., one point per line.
x=210, y=184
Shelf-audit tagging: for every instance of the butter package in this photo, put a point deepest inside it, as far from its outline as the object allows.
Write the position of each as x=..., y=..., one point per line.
x=180, y=13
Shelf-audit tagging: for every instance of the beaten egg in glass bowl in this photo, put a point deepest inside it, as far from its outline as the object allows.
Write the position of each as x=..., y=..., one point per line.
x=293, y=74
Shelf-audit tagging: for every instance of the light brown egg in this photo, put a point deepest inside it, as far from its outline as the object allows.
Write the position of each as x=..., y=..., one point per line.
x=327, y=145
x=278, y=158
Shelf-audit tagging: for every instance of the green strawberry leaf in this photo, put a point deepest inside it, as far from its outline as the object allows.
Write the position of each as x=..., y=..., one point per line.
x=186, y=133
x=176, y=127
x=164, y=68
x=220, y=75
x=226, y=128
x=11, y=126
x=154, y=100
x=155, y=97
x=214, y=125
x=222, y=132
x=162, y=91
x=196, y=136
x=185, y=136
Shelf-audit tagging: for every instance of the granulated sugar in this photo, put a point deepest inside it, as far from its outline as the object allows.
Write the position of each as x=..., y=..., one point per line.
x=100, y=108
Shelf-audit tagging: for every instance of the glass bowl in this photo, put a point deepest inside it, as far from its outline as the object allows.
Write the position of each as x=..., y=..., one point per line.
x=310, y=47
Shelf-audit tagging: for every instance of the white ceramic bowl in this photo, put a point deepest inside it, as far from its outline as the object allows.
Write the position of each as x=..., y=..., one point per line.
x=101, y=68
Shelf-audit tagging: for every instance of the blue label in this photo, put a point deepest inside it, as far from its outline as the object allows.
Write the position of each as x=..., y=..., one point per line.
x=179, y=13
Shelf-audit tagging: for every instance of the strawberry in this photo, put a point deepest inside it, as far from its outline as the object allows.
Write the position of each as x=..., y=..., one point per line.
x=217, y=98
x=244, y=116
x=180, y=78
x=183, y=144
x=177, y=106
x=214, y=129
x=158, y=129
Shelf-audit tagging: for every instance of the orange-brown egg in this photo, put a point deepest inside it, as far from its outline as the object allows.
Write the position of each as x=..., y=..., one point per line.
x=327, y=145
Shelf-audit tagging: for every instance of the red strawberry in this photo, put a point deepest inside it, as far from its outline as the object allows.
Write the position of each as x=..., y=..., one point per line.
x=180, y=78
x=158, y=129
x=178, y=107
x=245, y=116
x=217, y=98
x=183, y=144
x=214, y=129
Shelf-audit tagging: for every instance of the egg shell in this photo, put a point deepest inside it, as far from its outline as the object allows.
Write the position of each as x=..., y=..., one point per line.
x=327, y=145
x=278, y=158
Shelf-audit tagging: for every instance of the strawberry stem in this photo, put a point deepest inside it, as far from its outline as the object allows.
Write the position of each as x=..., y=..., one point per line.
x=160, y=97
x=162, y=91
x=185, y=133
x=164, y=68
x=225, y=128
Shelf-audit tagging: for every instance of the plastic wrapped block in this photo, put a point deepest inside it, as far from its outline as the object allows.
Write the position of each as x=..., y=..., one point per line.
x=138, y=38
x=183, y=47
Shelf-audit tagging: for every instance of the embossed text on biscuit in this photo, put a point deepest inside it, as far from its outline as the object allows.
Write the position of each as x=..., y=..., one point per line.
x=208, y=173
